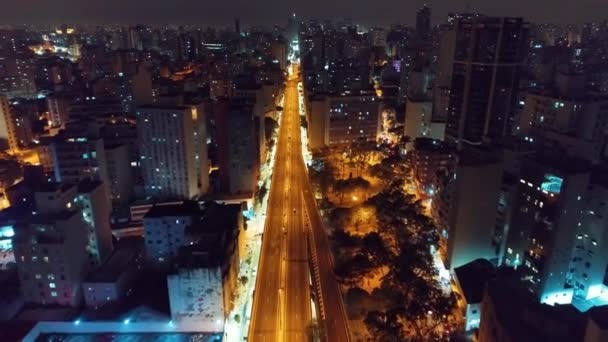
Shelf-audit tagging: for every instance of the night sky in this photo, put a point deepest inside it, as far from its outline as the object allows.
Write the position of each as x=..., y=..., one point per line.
x=254, y=12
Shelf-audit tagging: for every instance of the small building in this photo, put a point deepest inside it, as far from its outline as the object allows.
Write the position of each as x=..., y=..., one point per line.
x=114, y=279
x=471, y=281
x=510, y=313
x=201, y=291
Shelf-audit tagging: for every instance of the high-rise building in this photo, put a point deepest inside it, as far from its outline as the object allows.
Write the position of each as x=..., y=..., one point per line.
x=488, y=55
x=120, y=174
x=141, y=86
x=238, y=146
x=429, y=157
x=50, y=252
x=8, y=136
x=279, y=52
x=168, y=139
x=77, y=157
x=545, y=222
x=59, y=109
x=589, y=262
x=318, y=121
x=423, y=22
x=95, y=209
x=568, y=119
x=419, y=121
x=343, y=119
x=464, y=207
x=25, y=113
x=353, y=117
x=17, y=75
x=67, y=233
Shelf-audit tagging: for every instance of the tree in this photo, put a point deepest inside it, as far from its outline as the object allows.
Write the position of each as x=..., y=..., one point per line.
x=323, y=175
x=375, y=248
x=382, y=171
x=356, y=184
x=385, y=326
x=259, y=196
x=271, y=127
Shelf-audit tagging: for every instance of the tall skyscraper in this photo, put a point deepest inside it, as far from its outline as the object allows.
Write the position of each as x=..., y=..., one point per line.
x=423, y=22
x=487, y=58
x=168, y=138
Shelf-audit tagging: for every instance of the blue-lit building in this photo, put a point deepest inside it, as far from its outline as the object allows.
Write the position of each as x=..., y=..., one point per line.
x=546, y=220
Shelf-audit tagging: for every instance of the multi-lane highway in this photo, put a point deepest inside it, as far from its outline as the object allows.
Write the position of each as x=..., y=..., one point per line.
x=282, y=300
x=281, y=308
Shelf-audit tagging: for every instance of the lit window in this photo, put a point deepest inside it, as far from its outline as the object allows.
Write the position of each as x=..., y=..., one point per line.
x=53, y=293
x=38, y=276
x=51, y=277
x=46, y=259
x=52, y=285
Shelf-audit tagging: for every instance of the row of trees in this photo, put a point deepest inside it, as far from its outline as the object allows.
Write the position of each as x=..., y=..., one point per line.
x=403, y=242
x=420, y=303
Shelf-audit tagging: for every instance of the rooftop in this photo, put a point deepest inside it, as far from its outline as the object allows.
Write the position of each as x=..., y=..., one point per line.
x=525, y=319
x=53, y=187
x=473, y=277
x=428, y=144
x=186, y=208
x=559, y=163
x=599, y=315
x=124, y=256
x=87, y=185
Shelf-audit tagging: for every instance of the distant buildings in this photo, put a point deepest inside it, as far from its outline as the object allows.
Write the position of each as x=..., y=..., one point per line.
x=423, y=22
x=8, y=132
x=568, y=118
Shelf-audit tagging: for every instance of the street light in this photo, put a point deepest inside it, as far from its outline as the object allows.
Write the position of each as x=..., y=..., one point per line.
x=355, y=198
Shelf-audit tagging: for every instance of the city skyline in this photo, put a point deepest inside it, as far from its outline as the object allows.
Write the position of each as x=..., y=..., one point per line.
x=256, y=13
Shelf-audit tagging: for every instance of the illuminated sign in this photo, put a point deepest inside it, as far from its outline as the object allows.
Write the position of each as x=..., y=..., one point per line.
x=552, y=184
x=7, y=232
